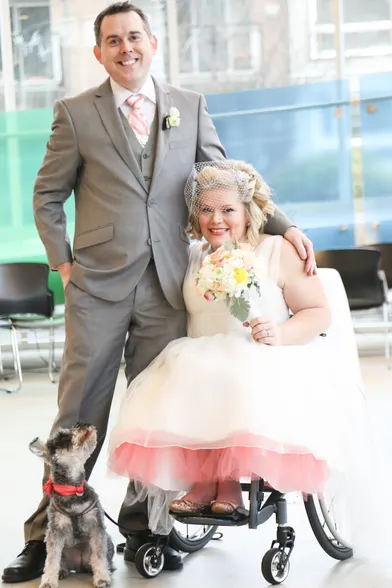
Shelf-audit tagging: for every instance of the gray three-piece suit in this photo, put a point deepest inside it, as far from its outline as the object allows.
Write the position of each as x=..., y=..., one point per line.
x=129, y=252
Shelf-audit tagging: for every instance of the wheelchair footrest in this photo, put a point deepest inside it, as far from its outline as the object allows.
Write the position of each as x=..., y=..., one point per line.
x=238, y=518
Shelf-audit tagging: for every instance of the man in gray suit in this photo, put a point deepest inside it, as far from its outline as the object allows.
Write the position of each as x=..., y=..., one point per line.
x=114, y=147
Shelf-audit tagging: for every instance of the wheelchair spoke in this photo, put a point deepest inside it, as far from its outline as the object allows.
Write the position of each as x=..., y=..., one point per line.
x=331, y=522
x=329, y=526
x=192, y=532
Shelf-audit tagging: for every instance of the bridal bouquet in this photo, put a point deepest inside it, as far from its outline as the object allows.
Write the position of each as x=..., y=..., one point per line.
x=228, y=274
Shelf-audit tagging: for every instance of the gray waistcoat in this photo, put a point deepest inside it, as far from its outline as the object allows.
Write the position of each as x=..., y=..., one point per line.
x=144, y=157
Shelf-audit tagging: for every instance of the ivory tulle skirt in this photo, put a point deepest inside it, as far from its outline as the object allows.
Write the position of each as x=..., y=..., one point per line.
x=224, y=406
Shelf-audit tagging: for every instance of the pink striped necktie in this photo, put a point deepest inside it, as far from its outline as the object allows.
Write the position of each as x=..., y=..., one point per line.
x=136, y=118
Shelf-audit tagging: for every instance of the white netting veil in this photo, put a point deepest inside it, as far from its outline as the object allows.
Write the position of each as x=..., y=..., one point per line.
x=219, y=175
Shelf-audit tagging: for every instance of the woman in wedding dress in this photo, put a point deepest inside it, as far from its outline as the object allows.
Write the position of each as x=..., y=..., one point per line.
x=263, y=397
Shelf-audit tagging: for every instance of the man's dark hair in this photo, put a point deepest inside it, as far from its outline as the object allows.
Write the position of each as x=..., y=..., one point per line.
x=116, y=8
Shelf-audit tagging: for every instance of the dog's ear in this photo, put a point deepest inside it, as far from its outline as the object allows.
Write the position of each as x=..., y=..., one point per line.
x=38, y=447
x=85, y=434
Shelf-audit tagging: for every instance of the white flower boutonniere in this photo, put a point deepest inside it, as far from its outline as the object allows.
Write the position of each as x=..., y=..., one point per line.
x=173, y=119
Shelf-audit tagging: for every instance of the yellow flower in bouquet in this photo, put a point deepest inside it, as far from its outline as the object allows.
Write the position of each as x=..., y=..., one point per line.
x=241, y=276
x=228, y=274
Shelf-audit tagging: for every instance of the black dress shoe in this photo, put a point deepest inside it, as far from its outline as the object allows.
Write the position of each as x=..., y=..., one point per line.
x=173, y=560
x=28, y=565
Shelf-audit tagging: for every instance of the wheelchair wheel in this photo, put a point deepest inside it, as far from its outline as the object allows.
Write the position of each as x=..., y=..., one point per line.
x=275, y=566
x=191, y=538
x=325, y=526
x=148, y=563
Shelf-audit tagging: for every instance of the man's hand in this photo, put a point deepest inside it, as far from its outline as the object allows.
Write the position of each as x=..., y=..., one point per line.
x=64, y=270
x=304, y=247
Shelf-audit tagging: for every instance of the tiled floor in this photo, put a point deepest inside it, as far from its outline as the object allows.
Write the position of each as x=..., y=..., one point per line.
x=230, y=562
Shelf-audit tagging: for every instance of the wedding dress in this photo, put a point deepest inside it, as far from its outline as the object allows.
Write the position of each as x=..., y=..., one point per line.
x=216, y=404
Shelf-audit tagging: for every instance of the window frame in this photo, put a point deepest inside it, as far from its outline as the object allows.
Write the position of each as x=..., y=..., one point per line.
x=254, y=35
x=57, y=73
x=351, y=27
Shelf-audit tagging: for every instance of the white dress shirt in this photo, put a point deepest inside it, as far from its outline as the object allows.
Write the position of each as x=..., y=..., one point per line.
x=148, y=91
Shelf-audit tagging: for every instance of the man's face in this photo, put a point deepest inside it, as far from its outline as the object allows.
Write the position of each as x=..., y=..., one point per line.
x=126, y=50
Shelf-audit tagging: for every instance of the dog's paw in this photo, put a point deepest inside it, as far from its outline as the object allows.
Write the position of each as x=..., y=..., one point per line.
x=63, y=573
x=48, y=584
x=102, y=582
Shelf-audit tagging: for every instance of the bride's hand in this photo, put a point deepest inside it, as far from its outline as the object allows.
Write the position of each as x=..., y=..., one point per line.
x=265, y=331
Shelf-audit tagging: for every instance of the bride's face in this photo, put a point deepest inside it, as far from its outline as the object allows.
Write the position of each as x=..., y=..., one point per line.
x=222, y=217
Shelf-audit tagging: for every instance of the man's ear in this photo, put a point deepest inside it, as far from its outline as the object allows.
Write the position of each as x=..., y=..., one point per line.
x=154, y=43
x=38, y=447
x=97, y=53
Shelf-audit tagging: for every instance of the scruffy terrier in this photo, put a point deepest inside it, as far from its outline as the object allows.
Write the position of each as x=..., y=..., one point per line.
x=76, y=538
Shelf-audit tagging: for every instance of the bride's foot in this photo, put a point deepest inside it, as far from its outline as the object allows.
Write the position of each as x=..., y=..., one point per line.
x=197, y=500
x=228, y=499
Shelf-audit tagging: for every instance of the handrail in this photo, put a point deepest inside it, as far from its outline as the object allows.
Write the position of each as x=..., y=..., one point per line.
x=271, y=110
x=298, y=107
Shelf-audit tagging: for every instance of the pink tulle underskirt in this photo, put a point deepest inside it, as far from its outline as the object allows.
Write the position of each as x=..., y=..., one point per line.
x=285, y=472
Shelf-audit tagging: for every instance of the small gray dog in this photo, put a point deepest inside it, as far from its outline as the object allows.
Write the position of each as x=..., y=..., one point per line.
x=76, y=538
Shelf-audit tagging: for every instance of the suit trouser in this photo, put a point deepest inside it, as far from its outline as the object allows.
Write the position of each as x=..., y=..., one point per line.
x=96, y=331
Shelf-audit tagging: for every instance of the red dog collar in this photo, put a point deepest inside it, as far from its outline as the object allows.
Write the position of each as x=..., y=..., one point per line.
x=63, y=489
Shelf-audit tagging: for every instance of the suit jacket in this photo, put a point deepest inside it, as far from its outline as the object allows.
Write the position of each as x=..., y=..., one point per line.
x=119, y=222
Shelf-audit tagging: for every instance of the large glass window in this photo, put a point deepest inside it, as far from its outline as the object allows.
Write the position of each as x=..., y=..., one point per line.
x=367, y=28
x=218, y=37
x=354, y=11
x=32, y=43
x=36, y=54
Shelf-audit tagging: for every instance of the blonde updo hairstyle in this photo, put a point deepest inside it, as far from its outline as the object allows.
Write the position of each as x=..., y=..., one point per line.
x=238, y=176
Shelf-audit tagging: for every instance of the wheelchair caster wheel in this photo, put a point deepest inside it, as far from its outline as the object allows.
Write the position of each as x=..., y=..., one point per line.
x=149, y=560
x=275, y=566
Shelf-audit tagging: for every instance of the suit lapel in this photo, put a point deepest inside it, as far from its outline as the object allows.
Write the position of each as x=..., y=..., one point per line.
x=163, y=106
x=111, y=121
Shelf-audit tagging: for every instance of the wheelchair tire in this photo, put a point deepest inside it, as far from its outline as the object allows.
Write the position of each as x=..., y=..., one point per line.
x=331, y=545
x=147, y=564
x=189, y=544
x=270, y=566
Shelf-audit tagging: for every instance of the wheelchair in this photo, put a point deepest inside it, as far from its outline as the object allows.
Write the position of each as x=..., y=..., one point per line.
x=265, y=501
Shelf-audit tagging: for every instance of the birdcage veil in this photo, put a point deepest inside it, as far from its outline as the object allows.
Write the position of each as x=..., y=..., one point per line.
x=213, y=176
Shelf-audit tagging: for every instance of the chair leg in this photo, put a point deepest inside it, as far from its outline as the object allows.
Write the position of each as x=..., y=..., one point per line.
x=17, y=364
x=52, y=349
x=387, y=343
x=1, y=364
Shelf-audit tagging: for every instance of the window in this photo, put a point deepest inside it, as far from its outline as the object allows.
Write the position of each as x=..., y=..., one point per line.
x=354, y=11
x=217, y=37
x=32, y=43
x=367, y=28
x=36, y=54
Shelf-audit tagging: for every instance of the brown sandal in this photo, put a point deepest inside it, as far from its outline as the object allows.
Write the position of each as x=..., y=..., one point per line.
x=183, y=506
x=227, y=508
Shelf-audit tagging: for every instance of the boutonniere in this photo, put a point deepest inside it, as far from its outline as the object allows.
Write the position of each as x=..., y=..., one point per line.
x=172, y=119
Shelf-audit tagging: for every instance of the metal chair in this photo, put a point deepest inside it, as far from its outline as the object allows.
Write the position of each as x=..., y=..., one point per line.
x=365, y=284
x=25, y=300
x=386, y=263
